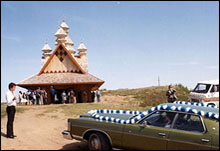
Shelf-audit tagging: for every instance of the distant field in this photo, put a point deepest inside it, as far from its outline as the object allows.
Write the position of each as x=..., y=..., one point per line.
x=149, y=96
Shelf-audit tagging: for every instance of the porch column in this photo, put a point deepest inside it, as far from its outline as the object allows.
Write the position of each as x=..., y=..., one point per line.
x=89, y=96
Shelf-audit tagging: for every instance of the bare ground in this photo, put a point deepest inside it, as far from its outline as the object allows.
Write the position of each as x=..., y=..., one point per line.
x=40, y=130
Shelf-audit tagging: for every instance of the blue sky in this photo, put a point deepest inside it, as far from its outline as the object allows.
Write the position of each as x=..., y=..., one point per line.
x=129, y=43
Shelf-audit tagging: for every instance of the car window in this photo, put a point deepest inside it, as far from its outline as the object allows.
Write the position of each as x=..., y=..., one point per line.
x=215, y=88
x=202, y=88
x=160, y=119
x=188, y=122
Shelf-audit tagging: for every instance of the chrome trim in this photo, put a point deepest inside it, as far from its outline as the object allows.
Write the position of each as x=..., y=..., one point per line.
x=77, y=137
x=98, y=131
x=66, y=134
x=203, y=124
x=162, y=134
x=205, y=140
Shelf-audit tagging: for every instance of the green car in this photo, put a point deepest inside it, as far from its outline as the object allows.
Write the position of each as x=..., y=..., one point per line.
x=176, y=126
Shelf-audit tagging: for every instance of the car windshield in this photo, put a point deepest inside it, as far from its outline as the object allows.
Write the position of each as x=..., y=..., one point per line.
x=202, y=88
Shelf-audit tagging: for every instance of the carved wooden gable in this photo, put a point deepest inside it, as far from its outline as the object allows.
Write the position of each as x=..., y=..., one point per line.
x=61, y=61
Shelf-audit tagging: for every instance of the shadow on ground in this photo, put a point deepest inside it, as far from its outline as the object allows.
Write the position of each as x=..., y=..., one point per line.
x=75, y=146
x=3, y=134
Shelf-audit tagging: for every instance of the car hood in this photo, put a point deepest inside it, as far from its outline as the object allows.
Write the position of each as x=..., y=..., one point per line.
x=197, y=95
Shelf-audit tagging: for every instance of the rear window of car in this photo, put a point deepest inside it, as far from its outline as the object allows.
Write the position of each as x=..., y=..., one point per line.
x=189, y=122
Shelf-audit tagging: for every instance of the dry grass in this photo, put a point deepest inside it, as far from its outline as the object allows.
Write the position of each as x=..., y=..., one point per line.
x=19, y=109
x=149, y=96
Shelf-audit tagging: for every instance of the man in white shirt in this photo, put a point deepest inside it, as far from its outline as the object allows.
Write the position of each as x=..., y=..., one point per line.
x=11, y=103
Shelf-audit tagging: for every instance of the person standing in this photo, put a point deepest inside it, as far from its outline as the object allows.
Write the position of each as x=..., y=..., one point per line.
x=24, y=98
x=56, y=98
x=171, y=97
x=20, y=97
x=45, y=97
x=30, y=96
x=98, y=95
x=41, y=97
x=68, y=97
x=63, y=95
x=34, y=98
x=11, y=104
x=52, y=93
x=38, y=95
x=72, y=97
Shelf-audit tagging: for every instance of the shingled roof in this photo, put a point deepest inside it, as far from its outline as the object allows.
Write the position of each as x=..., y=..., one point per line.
x=61, y=78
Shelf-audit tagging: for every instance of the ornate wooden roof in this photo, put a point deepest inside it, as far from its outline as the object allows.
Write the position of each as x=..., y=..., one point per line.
x=60, y=69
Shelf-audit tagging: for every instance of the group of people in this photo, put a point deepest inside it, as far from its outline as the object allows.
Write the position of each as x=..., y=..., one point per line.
x=40, y=96
x=30, y=97
x=70, y=96
x=67, y=96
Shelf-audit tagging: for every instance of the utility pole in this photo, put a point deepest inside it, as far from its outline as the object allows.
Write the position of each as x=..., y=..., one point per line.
x=158, y=81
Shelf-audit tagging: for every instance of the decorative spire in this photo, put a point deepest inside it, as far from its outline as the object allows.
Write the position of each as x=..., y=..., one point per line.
x=82, y=47
x=60, y=34
x=69, y=45
x=46, y=48
x=46, y=53
x=64, y=25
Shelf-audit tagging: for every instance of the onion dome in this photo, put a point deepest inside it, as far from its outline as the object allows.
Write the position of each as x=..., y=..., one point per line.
x=46, y=48
x=64, y=25
x=82, y=47
x=60, y=33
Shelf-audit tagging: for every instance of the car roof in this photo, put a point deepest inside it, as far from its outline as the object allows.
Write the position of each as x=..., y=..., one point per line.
x=210, y=82
x=198, y=108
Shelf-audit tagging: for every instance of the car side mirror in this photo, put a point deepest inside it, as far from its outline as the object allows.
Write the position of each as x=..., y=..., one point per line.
x=142, y=125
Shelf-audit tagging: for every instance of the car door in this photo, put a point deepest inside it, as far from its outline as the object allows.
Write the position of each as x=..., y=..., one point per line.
x=189, y=133
x=152, y=135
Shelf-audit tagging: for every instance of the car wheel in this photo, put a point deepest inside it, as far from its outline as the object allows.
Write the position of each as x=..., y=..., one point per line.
x=98, y=141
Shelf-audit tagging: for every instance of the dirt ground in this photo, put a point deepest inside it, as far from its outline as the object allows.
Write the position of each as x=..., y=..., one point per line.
x=36, y=132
